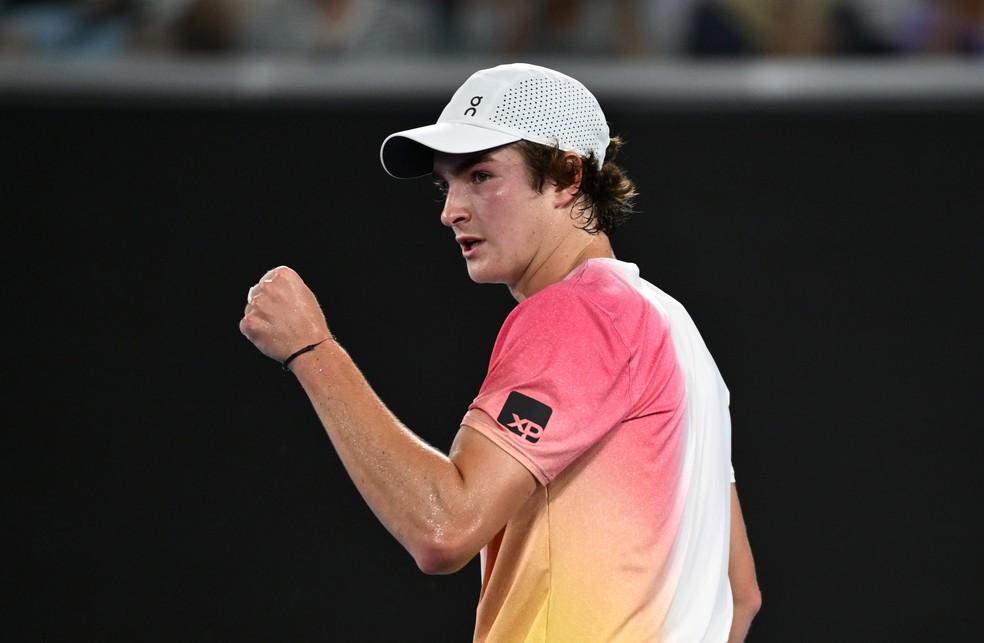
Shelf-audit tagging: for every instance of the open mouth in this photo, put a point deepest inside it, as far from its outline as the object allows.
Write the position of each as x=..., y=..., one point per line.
x=469, y=244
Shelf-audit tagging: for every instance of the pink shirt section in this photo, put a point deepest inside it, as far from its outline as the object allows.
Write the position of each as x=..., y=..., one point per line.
x=584, y=388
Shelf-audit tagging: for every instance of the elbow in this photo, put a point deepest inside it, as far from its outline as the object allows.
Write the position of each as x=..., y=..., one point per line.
x=757, y=603
x=438, y=563
x=441, y=555
x=749, y=602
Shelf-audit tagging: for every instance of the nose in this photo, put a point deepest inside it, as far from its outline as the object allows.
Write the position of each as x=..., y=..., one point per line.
x=455, y=208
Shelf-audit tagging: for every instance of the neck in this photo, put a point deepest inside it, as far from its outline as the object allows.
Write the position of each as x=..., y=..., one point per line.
x=563, y=259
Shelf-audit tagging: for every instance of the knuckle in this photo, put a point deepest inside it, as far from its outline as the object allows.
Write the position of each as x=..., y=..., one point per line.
x=282, y=272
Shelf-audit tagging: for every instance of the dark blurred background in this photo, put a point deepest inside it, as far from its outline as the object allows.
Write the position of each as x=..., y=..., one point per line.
x=810, y=178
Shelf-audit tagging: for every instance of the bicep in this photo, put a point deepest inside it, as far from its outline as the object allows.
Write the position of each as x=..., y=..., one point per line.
x=496, y=485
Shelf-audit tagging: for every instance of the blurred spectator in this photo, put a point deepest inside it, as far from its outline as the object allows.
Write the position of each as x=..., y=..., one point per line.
x=781, y=28
x=946, y=27
x=209, y=26
x=291, y=27
x=336, y=27
x=521, y=27
x=80, y=27
x=887, y=18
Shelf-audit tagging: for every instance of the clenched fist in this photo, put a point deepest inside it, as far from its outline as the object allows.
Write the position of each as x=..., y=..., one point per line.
x=282, y=315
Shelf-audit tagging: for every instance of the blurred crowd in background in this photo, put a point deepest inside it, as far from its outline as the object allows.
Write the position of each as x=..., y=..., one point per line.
x=321, y=29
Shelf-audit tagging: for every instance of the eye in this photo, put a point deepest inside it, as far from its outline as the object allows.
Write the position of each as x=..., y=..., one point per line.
x=480, y=176
x=441, y=186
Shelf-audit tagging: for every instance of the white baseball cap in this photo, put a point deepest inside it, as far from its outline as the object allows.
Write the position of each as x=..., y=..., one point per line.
x=498, y=106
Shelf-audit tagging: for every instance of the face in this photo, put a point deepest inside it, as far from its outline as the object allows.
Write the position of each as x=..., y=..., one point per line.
x=501, y=223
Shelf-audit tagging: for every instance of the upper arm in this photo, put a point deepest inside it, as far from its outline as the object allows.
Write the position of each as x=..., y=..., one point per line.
x=493, y=486
x=495, y=481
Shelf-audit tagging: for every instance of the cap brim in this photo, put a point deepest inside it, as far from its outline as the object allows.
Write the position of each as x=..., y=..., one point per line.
x=410, y=154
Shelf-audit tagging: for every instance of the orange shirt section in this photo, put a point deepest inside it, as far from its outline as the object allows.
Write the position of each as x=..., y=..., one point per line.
x=587, y=556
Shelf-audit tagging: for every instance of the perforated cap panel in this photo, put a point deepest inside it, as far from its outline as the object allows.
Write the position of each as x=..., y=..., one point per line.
x=554, y=109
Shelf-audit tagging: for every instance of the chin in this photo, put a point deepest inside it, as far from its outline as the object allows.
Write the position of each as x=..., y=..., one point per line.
x=483, y=275
x=479, y=276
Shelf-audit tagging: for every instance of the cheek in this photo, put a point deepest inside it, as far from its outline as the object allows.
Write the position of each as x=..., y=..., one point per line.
x=508, y=217
x=499, y=203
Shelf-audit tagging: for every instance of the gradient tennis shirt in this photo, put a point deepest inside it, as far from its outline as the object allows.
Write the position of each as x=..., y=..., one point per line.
x=602, y=387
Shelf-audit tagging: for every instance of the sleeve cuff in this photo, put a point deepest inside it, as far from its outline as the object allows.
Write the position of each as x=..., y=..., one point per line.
x=482, y=422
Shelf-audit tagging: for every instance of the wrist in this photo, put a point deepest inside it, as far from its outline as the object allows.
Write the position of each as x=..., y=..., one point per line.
x=291, y=359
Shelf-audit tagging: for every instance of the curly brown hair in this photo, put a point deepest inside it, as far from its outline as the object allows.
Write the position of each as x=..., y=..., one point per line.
x=607, y=195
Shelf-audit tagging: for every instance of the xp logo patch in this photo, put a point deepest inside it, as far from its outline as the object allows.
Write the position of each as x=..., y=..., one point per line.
x=524, y=416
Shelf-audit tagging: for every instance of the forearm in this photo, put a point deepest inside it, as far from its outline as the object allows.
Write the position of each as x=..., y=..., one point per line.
x=741, y=622
x=415, y=491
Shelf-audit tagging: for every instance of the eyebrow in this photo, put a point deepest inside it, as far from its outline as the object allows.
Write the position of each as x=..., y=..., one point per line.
x=464, y=164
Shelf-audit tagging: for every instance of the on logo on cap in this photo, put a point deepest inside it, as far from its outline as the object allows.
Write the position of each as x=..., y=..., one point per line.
x=475, y=102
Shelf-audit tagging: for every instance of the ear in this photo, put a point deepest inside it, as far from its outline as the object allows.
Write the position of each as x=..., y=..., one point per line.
x=574, y=170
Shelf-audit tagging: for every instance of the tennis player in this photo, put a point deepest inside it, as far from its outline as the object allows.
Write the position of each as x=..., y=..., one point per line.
x=592, y=470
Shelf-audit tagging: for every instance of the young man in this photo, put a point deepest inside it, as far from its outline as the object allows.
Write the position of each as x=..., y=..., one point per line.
x=592, y=469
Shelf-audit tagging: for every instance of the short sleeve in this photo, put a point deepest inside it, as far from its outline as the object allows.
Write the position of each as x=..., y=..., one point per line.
x=558, y=381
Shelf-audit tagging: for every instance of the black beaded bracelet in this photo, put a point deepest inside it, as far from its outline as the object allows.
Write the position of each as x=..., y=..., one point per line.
x=309, y=347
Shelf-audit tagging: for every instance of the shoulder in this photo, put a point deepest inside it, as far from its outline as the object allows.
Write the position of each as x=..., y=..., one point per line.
x=594, y=300
x=584, y=293
x=613, y=288
x=594, y=283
